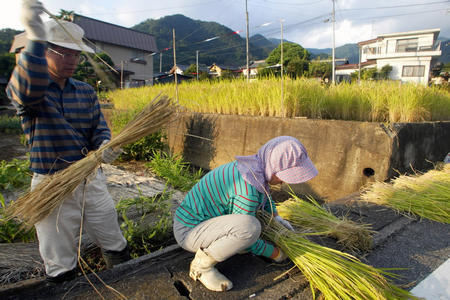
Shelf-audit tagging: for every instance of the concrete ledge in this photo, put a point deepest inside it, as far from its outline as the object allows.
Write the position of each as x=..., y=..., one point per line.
x=348, y=154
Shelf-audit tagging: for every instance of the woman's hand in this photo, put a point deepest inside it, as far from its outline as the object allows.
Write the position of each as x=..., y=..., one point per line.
x=283, y=222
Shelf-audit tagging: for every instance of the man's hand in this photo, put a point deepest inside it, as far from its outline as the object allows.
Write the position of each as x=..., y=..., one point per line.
x=109, y=155
x=31, y=20
x=283, y=222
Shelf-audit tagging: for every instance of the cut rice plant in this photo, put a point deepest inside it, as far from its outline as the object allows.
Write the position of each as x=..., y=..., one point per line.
x=426, y=195
x=337, y=275
x=51, y=192
x=311, y=217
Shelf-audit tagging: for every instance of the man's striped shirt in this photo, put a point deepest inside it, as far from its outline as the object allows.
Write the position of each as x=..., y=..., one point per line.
x=223, y=191
x=61, y=125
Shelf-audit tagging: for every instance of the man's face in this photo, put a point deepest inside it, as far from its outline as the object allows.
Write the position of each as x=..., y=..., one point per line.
x=62, y=62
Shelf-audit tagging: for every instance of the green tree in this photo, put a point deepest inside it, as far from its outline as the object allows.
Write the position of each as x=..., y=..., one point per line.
x=7, y=63
x=102, y=78
x=319, y=69
x=294, y=53
x=6, y=39
x=192, y=71
x=385, y=71
x=297, y=67
x=65, y=15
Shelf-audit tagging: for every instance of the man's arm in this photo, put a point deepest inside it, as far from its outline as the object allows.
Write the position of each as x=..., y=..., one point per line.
x=30, y=78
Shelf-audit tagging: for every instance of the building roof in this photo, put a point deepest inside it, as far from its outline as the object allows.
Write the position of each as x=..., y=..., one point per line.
x=19, y=42
x=222, y=67
x=100, y=31
x=415, y=32
x=356, y=66
x=435, y=31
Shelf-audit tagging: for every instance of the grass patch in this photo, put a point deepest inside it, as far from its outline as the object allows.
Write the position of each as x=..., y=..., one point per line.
x=14, y=174
x=10, y=124
x=12, y=231
x=146, y=223
x=174, y=170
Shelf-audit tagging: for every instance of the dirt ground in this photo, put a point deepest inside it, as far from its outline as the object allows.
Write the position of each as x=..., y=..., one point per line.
x=10, y=147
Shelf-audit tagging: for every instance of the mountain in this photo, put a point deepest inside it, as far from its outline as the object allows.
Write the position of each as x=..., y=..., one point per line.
x=348, y=51
x=6, y=39
x=445, y=49
x=191, y=35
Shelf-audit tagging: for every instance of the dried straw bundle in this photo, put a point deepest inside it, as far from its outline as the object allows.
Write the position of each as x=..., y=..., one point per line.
x=426, y=195
x=311, y=217
x=51, y=192
x=335, y=274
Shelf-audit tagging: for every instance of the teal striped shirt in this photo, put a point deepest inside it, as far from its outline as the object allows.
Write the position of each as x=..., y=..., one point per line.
x=223, y=191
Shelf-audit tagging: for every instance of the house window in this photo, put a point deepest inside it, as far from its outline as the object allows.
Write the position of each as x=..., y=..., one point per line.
x=407, y=45
x=413, y=71
x=370, y=50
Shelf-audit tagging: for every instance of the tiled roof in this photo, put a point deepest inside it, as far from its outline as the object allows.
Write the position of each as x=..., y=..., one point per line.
x=100, y=31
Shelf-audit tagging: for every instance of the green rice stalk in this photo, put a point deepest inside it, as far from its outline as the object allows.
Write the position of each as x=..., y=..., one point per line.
x=51, y=192
x=335, y=274
x=426, y=195
x=311, y=217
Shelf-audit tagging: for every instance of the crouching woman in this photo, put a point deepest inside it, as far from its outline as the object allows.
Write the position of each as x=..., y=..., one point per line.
x=217, y=219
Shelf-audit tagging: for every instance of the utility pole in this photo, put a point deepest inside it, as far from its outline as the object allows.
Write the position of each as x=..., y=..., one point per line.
x=333, y=20
x=282, y=70
x=246, y=15
x=121, y=75
x=359, y=64
x=175, y=66
x=197, y=65
x=160, y=62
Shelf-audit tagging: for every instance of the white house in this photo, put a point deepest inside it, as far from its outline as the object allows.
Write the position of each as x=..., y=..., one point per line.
x=253, y=68
x=410, y=54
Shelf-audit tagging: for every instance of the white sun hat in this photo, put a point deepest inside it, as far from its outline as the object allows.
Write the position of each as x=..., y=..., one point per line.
x=58, y=36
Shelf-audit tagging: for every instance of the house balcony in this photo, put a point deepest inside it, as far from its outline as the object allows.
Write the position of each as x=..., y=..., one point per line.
x=421, y=51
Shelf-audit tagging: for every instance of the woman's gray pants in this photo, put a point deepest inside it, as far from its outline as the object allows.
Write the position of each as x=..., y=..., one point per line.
x=219, y=237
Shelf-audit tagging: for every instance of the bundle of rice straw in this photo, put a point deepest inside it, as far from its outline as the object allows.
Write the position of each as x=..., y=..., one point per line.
x=309, y=216
x=426, y=195
x=51, y=192
x=335, y=274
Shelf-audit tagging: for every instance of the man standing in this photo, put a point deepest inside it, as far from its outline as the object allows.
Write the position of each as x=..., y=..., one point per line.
x=63, y=122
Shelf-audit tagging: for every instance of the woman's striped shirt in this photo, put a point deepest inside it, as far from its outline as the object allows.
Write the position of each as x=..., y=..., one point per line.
x=220, y=192
x=61, y=125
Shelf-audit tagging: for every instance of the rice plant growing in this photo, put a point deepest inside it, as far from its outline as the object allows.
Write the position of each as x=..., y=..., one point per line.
x=311, y=217
x=337, y=275
x=380, y=101
x=426, y=195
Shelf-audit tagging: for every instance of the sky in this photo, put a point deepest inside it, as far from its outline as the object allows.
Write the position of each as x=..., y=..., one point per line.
x=306, y=22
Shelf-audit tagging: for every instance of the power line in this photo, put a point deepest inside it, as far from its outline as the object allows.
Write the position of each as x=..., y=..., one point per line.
x=395, y=6
x=153, y=9
x=399, y=15
x=293, y=4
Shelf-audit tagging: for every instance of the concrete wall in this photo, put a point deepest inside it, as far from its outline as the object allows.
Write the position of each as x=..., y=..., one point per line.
x=118, y=54
x=347, y=154
x=397, y=65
